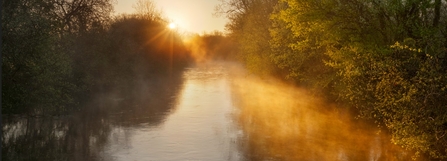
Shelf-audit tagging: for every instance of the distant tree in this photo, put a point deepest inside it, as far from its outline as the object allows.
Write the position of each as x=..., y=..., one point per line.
x=249, y=28
x=213, y=45
x=148, y=10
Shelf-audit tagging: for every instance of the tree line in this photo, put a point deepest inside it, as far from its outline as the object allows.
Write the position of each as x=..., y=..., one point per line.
x=386, y=58
x=211, y=46
x=59, y=54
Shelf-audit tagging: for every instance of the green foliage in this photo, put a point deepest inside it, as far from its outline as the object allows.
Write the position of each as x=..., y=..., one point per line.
x=386, y=58
x=249, y=28
x=400, y=85
x=300, y=41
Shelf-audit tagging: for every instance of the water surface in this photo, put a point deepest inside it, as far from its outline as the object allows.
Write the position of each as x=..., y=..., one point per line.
x=200, y=126
x=213, y=111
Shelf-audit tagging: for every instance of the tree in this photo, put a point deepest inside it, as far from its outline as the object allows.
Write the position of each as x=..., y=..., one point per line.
x=249, y=27
x=35, y=71
x=148, y=10
x=38, y=66
x=401, y=84
x=81, y=15
x=389, y=57
x=302, y=36
x=215, y=46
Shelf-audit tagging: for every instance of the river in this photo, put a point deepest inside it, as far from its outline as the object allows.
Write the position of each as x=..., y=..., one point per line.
x=214, y=111
x=200, y=126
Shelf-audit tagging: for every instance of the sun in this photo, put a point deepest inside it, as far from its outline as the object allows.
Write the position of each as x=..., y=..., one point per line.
x=172, y=25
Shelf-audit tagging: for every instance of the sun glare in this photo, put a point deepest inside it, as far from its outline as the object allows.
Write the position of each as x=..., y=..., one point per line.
x=172, y=25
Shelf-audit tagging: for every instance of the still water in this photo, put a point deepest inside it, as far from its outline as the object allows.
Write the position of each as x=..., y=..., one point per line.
x=209, y=112
x=199, y=126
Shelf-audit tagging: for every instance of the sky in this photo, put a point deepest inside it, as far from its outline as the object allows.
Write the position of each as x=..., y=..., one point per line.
x=195, y=16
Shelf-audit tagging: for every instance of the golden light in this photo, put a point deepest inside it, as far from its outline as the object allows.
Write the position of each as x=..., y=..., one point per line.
x=273, y=114
x=172, y=25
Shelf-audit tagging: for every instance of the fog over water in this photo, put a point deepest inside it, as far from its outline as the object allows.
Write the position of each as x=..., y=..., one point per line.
x=213, y=111
x=282, y=122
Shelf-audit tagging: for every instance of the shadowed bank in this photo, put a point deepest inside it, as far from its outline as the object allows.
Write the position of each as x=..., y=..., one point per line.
x=86, y=134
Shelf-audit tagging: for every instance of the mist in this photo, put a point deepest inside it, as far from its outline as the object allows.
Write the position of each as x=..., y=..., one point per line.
x=286, y=80
x=208, y=47
x=283, y=122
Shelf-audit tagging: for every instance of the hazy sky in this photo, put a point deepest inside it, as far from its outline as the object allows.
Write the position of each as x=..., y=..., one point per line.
x=190, y=15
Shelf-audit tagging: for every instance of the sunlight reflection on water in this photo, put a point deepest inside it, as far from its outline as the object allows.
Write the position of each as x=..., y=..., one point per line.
x=216, y=112
x=200, y=127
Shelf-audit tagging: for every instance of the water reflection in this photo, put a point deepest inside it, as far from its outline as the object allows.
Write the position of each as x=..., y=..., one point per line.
x=201, y=127
x=86, y=135
x=188, y=117
x=203, y=114
x=63, y=138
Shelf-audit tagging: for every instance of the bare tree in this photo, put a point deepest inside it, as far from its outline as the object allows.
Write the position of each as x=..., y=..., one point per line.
x=147, y=9
x=82, y=15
